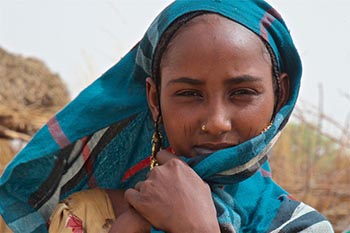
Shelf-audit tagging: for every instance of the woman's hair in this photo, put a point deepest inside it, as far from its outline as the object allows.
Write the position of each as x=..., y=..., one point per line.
x=168, y=35
x=164, y=41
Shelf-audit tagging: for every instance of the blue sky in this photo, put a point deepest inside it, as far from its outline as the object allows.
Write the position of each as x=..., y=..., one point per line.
x=80, y=39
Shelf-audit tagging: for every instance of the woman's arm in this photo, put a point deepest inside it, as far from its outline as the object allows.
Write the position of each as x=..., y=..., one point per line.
x=127, y=219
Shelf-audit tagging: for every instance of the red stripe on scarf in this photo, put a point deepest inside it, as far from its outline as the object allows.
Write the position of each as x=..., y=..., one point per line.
x=265, y=173
x=265, y=23
x=86, y=149
x=136, y=168
x=141, y=165
x=88, y=165
x=57, y=132
x=275, y=13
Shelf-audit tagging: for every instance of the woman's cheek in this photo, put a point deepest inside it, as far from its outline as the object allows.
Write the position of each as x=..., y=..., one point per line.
x=252, y=125
x=180, y=129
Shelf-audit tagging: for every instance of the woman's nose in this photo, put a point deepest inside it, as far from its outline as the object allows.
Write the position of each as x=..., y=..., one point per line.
x=218, y=120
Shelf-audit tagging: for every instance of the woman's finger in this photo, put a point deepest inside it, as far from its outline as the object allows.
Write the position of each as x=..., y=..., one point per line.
x=130, y=222
x=164, y=156
x=138, y=186
x=133, y=197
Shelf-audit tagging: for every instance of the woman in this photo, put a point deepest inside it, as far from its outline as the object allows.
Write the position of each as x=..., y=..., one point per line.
x=221, y=80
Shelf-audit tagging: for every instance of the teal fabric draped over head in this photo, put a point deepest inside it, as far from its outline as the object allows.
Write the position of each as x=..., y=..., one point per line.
x=102, y=138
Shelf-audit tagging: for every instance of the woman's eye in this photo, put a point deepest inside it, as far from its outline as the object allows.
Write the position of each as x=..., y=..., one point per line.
x=243, y=92
x=189, y=93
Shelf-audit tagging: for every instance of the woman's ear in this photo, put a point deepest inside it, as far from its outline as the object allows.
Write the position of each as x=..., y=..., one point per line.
x=284, y=92
x=152, y=97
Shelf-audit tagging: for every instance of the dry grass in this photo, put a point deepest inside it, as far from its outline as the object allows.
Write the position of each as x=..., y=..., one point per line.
x=27, y=82
x=6, y=152
x=315, y=167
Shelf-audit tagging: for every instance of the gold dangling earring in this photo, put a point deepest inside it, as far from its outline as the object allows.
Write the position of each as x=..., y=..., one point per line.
x=266, y=128
x=156, y=144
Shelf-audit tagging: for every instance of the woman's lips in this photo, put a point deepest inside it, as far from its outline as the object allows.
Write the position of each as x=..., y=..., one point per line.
x=207, y=149
x=203, y=151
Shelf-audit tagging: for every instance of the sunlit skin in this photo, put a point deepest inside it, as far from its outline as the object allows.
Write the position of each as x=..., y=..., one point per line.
x=215, y=73
x=221, y=79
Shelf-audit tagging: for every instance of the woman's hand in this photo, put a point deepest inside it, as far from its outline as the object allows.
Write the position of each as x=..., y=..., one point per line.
x=174, y=198
x=130, y=222
x=127, y=219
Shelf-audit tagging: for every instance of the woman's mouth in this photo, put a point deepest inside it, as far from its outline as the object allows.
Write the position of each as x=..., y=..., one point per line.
x=207, y=149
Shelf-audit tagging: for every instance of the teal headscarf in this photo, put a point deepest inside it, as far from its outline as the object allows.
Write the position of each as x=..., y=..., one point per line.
x=102, y=138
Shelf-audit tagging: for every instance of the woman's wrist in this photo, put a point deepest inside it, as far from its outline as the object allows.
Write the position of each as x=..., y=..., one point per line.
x=211, y=226
x=119, y=204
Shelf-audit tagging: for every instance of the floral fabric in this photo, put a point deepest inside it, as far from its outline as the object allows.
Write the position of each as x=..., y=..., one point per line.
x=83, y=212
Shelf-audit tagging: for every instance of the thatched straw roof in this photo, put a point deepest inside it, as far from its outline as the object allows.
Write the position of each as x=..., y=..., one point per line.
x=29, y=95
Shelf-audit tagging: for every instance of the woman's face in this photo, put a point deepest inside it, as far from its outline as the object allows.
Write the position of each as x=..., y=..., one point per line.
x=218, y=74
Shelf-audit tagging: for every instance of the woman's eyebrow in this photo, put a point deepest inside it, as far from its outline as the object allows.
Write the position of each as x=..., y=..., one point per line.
x=233, y=80
x=186, y=80
x=243, y=79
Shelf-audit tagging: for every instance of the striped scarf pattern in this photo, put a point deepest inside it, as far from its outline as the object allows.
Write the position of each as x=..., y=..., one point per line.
x=102, y=139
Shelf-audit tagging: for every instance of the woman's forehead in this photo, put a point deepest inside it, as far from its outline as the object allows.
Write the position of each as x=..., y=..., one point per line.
x=219, y=26
x=214, y=32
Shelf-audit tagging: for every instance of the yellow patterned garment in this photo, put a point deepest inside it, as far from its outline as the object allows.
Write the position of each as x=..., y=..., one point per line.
x=3, y=226
x=83, y=212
